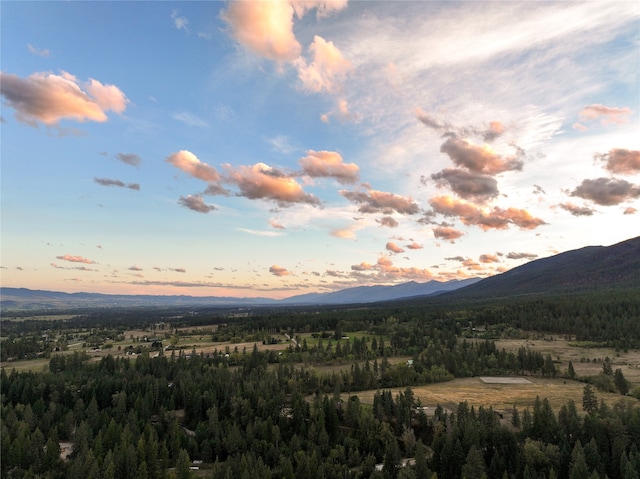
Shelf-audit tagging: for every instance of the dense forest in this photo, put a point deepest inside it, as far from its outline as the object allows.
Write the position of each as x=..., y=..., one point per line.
x=238, y=412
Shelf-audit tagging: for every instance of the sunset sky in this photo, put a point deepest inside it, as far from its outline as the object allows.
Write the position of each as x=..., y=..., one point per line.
x=274, y=148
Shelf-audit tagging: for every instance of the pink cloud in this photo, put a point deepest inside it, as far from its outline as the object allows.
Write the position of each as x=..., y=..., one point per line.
x=478, y=159
x=262, y=181
x=49, y=98
x=471, y=214
x=327, y=69
x=76, y=259
x=495, y=130
x=276, y=225
x=621, y=161
x=189, y=163
x=607, y=114
x=375, y=201
x=329, y=164
x=630, y=210
x=489, y=258
x=394, y=248
x=384, y=270
x=265, y=28
x=278, y=271
x=414, y=245
x=447, y=233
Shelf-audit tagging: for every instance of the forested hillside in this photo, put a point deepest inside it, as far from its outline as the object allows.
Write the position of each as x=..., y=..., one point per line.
x=275, y=413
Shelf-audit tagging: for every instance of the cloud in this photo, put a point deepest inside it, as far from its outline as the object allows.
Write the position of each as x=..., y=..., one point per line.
x=329, y=164
x=394, y=248
x=621, y=161
x=467, y=185
x=268, y=234
x=261, y=181
x=38, y=51
x=278, y=271
x=344, y=233
x=447, y=233
x=118, y=183
x=607, y=114
x=387, y=221
x=327, y=70
x=49, y=98
x=384, y=270
x=189, y=163
x=76, y=268
x=414, y=245
x=478, y=159
x=75, y=259
x=577, y=210
x=179, y=22
x=606, y=191
x=178, y=270
x=129, y=158
x=630, y=210
x=489, y=258
x=190, y=119
x=513, y=255
x=195, y=203
x=495, y=130
x=276, y=225
x=375, y=201
x=471, y=214
x=265, y=28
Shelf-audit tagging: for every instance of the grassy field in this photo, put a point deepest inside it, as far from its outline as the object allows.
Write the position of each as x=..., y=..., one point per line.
x=502, y=397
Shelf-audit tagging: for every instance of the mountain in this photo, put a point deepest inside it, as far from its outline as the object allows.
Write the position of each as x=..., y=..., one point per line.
x=22, y=298
x=585, y=269
x=370, y=294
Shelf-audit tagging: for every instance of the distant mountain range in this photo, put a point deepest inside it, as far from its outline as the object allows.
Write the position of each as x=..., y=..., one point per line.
x=22, y=298
x=585, y=269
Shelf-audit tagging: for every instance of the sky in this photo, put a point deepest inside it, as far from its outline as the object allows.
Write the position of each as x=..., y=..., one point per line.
x=280, y=147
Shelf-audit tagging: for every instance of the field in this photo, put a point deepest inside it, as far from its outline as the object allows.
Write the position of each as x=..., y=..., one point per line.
x=502, y=397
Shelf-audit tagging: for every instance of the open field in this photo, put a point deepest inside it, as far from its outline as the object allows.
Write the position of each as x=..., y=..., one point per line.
x=562, y=351
x=502, y=397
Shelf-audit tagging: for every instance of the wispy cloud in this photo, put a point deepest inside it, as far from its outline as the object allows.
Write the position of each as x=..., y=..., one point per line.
x=75, y=259
x=190, y=119
x=129, y=158
x=37, y=51
x=196, y=203
x=179, y=22
x=118, y=183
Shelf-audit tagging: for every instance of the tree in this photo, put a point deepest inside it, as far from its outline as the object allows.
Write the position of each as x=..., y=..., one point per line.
x=571, y=372
x=183, y=465
x=474, y=467
x=589, y=400
x=621, y=383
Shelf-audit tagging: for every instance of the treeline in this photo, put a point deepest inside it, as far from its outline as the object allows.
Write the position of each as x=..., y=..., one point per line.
x=150, y=418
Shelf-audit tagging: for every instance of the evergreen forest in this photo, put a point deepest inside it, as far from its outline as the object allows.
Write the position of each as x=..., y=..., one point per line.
x=161, y=409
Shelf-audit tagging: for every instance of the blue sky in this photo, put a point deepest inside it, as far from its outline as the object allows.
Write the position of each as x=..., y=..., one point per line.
x=274, y=148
